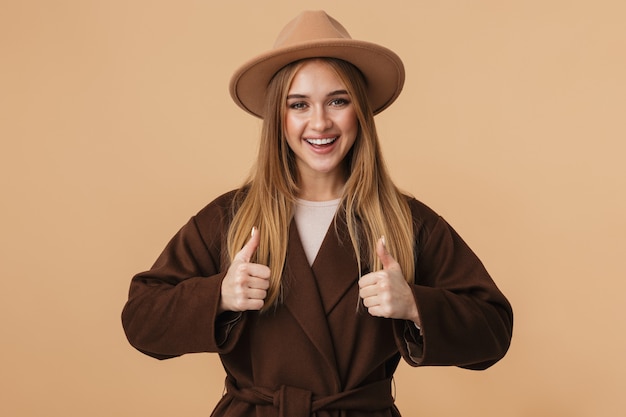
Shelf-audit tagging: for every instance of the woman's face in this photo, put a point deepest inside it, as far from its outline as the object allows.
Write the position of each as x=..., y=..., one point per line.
x=320, y=122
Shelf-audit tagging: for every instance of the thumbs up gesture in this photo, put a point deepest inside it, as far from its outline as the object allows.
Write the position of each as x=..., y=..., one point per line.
x=386, y=293
x=245, y=285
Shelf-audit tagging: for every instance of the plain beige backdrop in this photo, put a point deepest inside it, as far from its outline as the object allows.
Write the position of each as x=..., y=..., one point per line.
x=116, y=126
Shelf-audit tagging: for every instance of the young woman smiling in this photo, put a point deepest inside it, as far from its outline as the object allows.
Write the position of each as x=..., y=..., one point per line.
x=316, y=276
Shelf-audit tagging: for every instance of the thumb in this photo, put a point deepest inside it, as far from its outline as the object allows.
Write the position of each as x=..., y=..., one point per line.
x=247, y=252
x=385, y=257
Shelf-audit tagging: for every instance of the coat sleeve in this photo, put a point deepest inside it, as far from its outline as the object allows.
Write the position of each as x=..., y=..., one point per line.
x=172, y=308
x=466, y=321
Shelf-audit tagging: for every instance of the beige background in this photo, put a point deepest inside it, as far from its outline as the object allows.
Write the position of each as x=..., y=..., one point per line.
x=116, y=126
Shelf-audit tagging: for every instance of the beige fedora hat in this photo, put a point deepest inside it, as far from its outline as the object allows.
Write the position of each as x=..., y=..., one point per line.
x=314, y=34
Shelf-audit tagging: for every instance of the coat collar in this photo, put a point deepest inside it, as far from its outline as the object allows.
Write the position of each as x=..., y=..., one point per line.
x=312, y=292
x=335, y=267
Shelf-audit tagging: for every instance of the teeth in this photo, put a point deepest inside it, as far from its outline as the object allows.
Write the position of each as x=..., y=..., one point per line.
x=325, y=141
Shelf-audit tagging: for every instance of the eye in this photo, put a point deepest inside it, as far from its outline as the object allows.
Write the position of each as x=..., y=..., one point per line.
x=298, y=105
x=339, y=102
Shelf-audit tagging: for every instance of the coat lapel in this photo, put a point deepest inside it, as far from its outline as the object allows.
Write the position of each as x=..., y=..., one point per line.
x=303, y=300
x=335, y=266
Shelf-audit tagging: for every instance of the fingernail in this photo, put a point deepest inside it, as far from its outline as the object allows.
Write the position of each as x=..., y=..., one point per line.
x=253, y=231
x=382, y=238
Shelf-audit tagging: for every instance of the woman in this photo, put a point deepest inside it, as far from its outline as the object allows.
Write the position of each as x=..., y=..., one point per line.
x=317, y=276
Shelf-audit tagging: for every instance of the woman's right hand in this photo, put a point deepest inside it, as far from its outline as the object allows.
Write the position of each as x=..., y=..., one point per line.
x=245, y=285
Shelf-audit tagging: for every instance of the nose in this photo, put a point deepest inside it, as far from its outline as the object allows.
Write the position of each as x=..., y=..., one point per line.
x=320, y=120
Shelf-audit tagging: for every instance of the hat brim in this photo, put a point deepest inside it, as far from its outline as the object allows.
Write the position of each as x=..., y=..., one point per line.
x=382, y=68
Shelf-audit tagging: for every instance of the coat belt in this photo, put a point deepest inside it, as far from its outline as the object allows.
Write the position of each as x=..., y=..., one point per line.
x=297, y=402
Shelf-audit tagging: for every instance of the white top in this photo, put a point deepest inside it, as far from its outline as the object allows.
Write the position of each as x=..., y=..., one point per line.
x=313, y=219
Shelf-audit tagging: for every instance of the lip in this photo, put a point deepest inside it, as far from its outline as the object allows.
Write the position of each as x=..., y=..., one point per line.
x=321, y=140
x=327, y=144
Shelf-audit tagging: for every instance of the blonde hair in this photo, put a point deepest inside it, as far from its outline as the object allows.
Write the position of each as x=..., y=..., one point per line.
x=371, y=204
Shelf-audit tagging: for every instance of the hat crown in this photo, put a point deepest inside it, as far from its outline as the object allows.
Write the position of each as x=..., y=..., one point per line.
x=310, y=26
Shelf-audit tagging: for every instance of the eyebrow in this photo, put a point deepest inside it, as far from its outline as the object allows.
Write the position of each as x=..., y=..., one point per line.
x=331, y=94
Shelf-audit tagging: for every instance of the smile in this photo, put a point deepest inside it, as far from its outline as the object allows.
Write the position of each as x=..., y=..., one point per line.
x=319, y=142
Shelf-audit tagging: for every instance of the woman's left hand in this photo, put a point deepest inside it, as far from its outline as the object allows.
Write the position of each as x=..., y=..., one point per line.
x=386, y=293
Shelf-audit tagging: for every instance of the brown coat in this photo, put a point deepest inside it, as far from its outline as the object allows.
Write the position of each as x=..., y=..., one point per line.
x=318, y=352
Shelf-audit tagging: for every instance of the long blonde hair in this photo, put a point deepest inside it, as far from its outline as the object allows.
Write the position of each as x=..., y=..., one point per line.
x=371, y=204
